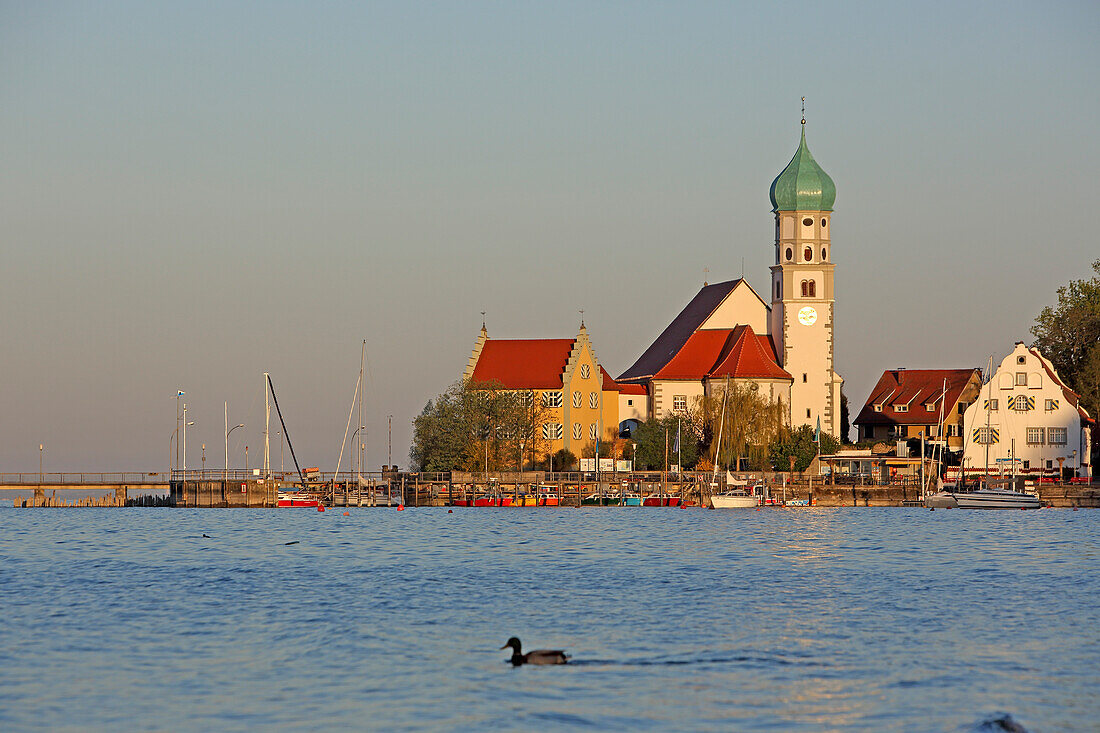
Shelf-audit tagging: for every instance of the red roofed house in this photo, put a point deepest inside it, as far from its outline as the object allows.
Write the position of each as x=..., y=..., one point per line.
x=907, y=402
x=581, y=398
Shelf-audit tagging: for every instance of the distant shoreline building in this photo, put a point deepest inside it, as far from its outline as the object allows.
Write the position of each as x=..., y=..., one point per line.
x=908, y=402
x=1026, y=420
x=580, y=397
x=728, y=331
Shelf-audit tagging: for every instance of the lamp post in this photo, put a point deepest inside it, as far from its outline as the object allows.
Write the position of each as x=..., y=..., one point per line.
x=179, y=393
x=185, y=424
x=228, y=430
x=389, y=441
x=41, y=459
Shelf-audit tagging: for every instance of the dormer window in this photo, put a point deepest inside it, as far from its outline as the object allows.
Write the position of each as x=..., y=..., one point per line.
x=930, y=406
x=878, y=407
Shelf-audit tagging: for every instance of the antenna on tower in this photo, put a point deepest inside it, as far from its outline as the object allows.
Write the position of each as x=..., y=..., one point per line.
x=803, y=110
x=706, y=271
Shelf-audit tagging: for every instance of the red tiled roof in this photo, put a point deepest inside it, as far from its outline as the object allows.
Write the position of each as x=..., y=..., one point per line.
x=915, y=388
x=751, y=357
x=736, y=352
x=633, y=389
x=609, y=384
x=523, y=363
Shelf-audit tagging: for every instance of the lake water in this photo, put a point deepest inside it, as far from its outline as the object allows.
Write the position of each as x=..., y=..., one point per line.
x=678, y=619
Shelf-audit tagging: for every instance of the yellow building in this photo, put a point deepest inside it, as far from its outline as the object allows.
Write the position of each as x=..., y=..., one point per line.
x=580, y=398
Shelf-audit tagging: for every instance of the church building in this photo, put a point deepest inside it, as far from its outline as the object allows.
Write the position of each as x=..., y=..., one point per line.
x=728, y=331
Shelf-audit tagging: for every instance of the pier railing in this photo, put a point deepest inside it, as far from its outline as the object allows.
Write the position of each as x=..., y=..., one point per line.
x=85, y=478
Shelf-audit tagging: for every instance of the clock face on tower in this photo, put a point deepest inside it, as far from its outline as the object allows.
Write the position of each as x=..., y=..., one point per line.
x=807, y=316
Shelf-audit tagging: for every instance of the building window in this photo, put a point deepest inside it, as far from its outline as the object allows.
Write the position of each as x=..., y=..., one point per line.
x=878, y=407
x=1050, y=463
x=1034, y=436
x=807, y=222
x=805, y=288
x=1021, y=379
x=1022, y=403
x=593, y=431
x=578, y=431
x=1021, y=360
x=630, y=403
x=594, y=400
x=808, y=254
x=807, y=413
x=586, y=371
x=990, y=405
x=824, y=223
x=578, y=399
x=1027, y=465
x=901, y=408
x=986, y=436
x=551, y=399
x=813, y=289
x=929, y=407
x=1051, y=405
x=679, y=403
x=552, y=431
x=823, y=257
x=1056, y=436
x=790, y=254
x=804, y=377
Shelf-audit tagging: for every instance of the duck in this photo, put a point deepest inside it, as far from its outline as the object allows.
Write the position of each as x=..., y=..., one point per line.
x=539, y=656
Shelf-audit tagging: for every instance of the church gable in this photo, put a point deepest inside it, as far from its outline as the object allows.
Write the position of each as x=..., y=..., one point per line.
x=741, y=306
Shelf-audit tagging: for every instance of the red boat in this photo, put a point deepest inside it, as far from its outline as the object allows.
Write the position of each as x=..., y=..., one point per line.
x=661, y=500
x=294, y=498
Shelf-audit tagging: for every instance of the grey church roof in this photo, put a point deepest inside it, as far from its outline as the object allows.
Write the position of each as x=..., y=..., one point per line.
x=673, y=338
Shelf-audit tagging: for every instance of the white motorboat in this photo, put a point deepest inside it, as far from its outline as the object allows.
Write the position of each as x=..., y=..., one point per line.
x=987, y=498
x=734, y=499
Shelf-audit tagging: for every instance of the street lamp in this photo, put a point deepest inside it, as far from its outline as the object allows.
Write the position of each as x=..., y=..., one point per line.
x=225, y=475
x=41, y=458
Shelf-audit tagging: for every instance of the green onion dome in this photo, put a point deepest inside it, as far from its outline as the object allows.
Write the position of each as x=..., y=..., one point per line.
x=803, y=185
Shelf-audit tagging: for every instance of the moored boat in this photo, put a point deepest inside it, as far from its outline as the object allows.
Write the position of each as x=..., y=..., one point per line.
x=734, y=499
x=296, y=499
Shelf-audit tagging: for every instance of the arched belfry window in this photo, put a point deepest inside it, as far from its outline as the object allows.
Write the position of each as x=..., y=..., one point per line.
x=808, y=254
x=813, y=289
x=805, y=288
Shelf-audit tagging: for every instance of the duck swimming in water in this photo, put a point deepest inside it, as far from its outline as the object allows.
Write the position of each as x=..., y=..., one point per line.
x=539, y=656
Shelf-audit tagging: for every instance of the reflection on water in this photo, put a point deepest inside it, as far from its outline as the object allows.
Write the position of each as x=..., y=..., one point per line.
x=808, y=619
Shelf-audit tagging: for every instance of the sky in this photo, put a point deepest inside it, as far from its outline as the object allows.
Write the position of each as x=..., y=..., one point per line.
x=193, y=194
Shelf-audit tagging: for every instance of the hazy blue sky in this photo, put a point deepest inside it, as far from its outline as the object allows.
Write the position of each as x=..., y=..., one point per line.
x=192, y=194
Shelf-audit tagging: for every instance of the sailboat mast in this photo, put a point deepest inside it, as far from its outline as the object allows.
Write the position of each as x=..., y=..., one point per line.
x=988, y=407
x=359, y=452
x=267, y=431
x=721, y=424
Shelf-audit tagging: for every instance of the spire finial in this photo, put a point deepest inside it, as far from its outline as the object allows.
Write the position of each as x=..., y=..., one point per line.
x=803, y=111
x=482, y=320
x=581, y=311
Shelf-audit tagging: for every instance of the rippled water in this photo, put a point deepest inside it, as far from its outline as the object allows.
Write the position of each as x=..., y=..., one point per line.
x=806, y=619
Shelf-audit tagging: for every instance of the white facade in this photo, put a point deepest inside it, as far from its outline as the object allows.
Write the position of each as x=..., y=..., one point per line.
x=1027, y=416
x=802, y=316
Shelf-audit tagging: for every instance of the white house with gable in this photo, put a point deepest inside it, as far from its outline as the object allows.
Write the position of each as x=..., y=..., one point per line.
x=1025, y=415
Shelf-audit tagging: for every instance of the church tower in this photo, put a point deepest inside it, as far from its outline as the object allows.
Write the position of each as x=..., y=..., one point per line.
x=802, y=295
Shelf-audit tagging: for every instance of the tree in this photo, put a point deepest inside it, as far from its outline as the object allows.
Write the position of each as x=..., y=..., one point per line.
x=473, y=425
x=1069, y=335
x=744, y=420
x=845, y=418
x=800, y=444
x=649, y=440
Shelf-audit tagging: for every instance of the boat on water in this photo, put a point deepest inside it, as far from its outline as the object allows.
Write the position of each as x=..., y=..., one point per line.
x=296, y=499
x=631, y=499
x=547, y=496
x=598, y=499
x=661, y=499
x=983, y=495
x=734, y=499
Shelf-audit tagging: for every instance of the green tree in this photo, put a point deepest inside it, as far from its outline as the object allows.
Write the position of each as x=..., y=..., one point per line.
x=649, y=439
x=800, y=444
x=744, y=420
x=845, y=418
x=471, y=425
x=1069, y=335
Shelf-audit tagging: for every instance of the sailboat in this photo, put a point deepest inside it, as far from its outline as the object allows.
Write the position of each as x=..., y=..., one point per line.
x=736, y=497
x=987, y=492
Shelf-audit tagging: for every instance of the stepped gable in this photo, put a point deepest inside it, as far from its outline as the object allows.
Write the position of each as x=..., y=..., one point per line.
x=1072, y=397
x=523, y=363
x=915, y=388
x=673, y=339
